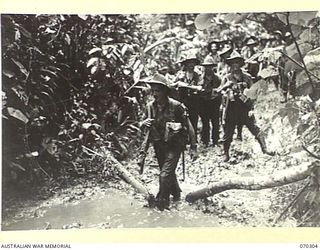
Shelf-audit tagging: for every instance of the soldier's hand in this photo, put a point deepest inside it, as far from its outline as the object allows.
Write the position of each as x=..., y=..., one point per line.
x=193, y=152
x=251, y=113
x=147, y=122
x=181, y=84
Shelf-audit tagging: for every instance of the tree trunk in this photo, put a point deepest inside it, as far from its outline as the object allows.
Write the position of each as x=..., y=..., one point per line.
x=125, y=174
x=279, y=178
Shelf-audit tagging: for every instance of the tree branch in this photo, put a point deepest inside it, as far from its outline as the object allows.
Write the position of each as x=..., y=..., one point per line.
x=310, y=153
x=277, y=179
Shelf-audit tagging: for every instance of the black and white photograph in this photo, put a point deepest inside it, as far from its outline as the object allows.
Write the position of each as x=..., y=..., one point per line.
x=185, y=120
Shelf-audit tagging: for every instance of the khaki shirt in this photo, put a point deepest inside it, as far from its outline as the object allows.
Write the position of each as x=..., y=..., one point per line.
x=172, y=111
x=234, y=79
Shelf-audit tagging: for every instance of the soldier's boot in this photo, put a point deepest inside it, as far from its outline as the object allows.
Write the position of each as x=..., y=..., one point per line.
x=177, y=196
x=284, y=96
x=226, y=147
x=263, y=145
x=176, y=190
x=239, y=132
x=163, y=204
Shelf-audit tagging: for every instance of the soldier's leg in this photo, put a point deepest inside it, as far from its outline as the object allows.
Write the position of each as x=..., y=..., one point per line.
x=167, y=177
x=175, y=188
x=227, y=138
x=205, y=133
x=250, y=122
x=159, y=149
x=194, y=117
x=275, y=80
x=160, y=153
x=283, y=88
x=215, y=121
x=239, y=131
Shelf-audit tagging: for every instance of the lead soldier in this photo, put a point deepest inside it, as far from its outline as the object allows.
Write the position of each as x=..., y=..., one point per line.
x=169, y=126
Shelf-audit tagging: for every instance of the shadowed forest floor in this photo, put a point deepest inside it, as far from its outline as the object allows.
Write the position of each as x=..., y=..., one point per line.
x=96, y=202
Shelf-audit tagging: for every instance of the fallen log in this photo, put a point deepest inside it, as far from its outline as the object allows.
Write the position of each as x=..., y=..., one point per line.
x=279, y=178
x=126, y=175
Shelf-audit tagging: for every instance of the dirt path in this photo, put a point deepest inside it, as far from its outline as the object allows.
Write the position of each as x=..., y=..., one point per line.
x=108, y=204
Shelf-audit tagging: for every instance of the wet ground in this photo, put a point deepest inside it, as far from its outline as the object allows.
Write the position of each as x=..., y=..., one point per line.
x=113, y=209
x=96, y=205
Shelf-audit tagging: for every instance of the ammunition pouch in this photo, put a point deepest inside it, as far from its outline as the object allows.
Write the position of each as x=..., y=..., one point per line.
x=175, y=133
x=246, y=101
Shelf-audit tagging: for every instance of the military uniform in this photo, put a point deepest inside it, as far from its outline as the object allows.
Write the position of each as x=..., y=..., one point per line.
x=190, y=98
x=237, y=111
x=168, y=141
x=238, y=106
x=210, y=108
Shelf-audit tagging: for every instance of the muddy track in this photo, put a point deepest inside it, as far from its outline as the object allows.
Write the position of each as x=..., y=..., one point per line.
x=98, y=203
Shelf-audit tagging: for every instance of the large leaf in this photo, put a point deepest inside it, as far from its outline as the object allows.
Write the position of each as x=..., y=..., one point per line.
x=157, y=43
x=94, y=50
x=24, y=31
x=16, y=113
x=268, y=72
x=272, y=54
x=235, y=17
x=299, y=18
x=296, y=29
x=83, y=17
x=92, y=61
x=203, y=21
x=310, y=35
x=68, y=39
x=292, y=51
x=312, y=59
x=291, y=111
x=8, y=73
x=21, y=67
x=137, y=73
x=256, y=89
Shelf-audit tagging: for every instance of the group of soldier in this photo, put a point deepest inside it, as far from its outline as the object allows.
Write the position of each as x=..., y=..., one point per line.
x=217, y=96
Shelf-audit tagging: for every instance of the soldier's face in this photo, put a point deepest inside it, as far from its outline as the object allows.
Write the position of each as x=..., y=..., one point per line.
x=208, y=69
x=158, y=92
x=213, y=47
x=235, y=67
x=189, y=66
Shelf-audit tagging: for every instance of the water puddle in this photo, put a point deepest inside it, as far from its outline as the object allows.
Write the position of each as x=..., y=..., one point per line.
x=115, y=209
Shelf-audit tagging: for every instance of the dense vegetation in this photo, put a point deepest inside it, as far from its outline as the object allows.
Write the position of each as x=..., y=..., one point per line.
x=67, y=82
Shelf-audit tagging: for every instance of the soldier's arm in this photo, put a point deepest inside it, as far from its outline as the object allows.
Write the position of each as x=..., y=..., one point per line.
x=183, y=114
x=192, y=134
x=146, y=119
x=248, y=80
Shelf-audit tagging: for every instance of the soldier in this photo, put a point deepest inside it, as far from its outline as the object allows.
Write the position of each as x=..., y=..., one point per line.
x=252, y=64
x=237, y=44
x=213, y=48
x=250, y=48
x=169, y=125
x=188, y=81
x=239, y=109
x=210, y=103
x=222, y=70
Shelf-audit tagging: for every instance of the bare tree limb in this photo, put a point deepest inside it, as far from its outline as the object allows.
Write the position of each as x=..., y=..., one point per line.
x=310, y=153
x=277, y=179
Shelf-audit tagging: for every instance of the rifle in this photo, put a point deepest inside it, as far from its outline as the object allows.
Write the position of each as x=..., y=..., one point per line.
x=224, y=110
x=181, y=84
x=144, y=147
x=183, y=167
